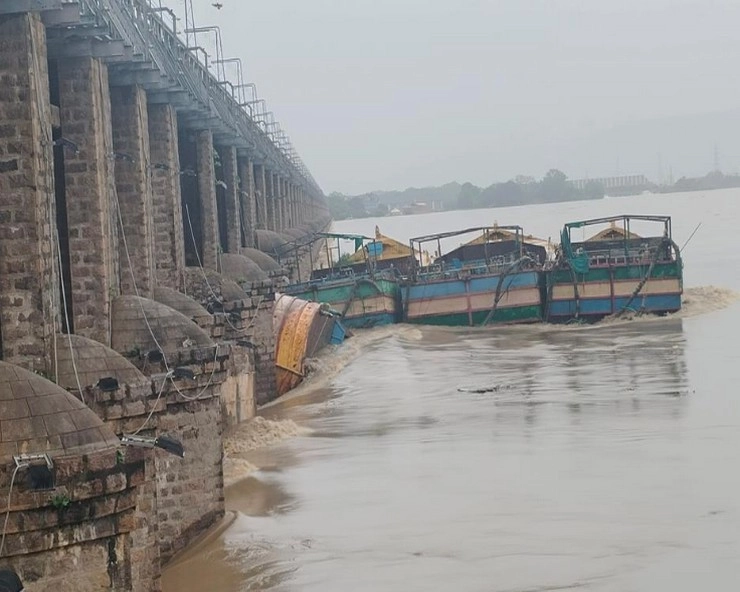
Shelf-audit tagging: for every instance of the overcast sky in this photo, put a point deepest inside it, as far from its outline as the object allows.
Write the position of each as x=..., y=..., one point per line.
x=386, y=94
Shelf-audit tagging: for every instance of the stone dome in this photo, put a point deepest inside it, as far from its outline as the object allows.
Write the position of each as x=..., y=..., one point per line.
x=294, y=233
x=241, y=268
x=173, y=330
x=37, y=416
x=184, y=304
x=94, y=361
x=266, y=263
x=224, y=287
x=269, y=241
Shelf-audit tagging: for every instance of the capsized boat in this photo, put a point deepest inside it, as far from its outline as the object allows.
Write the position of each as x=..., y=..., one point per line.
x=614, y=271
x=496, y=278
x=361, y=286
x=301, y=330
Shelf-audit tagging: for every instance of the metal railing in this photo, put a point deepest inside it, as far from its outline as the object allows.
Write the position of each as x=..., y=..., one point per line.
x=143, y=25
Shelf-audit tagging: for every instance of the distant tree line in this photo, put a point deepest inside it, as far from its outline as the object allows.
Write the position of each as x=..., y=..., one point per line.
x=712, y=180
x=553, y=187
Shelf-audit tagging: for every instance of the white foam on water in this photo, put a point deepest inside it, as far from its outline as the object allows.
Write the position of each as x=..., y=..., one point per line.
x=705, y=299
x=260, y=433
x=236, y=469
x=252, y=435
x=694, y=302
x=333, y=359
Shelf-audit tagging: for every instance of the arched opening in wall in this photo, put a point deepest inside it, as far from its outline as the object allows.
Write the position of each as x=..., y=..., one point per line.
x=191, y=208
x=221, y=213
x=60, y=196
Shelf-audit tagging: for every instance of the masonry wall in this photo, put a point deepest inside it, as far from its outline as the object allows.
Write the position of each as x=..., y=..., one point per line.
x=181, y=497
x=85, y=545
x=260, y=180
x=129, y=119
x=261, y=333
x=207, y=195
x=231, y=201
x=247, y=202
x=190, y=495
x=237, y=392
x=27, y=254
x=85, y=115
x=169, y=249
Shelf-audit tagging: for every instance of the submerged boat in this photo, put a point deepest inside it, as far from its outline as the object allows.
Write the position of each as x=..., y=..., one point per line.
x=302, y=329
x=361, y=286
x=496, y=278
x=615, y=271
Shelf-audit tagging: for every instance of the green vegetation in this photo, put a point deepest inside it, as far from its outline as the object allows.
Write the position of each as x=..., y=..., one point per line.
x=713, y=180
x=553, y=187
x=61, y=501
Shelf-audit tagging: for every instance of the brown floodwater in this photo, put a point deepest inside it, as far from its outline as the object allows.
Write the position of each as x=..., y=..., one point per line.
x=510, y=459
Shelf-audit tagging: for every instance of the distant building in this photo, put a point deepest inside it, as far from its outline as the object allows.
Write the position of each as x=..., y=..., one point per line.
x=621, y=182
x=418, y=207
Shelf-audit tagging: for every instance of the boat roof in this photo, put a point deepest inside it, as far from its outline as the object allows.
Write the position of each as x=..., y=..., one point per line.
x=501, y=233
x=614, y=232
x=441, y=235
x=622, y=217
x=392, y=249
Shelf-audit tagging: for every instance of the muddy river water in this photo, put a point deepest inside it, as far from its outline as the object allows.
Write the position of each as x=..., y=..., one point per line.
x=522, y=459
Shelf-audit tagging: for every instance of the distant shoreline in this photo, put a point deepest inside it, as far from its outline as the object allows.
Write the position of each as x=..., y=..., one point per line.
x=659, y=191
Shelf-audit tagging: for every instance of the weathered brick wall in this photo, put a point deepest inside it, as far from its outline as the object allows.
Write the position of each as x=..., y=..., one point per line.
x=291, y=206
x=237, y=392
x=27, y=253
x=272, y=201
x=90, y=186
x=231, y=179
x=261, y=334
x=83, y=542
x=207, y=193
x=169, y=249
x=260, y=181
x=247, y=202
x=181, y=497
x=278, y=203
x=190, y=494
x=131, y=143
x=249, y=309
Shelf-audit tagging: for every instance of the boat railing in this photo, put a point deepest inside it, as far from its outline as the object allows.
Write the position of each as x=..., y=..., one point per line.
x=462, y=270
x=618, y=257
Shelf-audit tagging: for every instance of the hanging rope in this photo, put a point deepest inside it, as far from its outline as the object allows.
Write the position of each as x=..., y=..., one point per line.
x=353, y=293
x=210, y=288
x=170, y=372
x=654, y=259
x=513, y=267
x=7, y=511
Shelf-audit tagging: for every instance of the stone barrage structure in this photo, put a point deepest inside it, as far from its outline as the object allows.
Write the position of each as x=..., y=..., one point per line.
x=142, y=205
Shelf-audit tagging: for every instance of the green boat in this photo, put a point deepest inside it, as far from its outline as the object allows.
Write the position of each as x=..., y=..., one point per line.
x=615, y=271
x=361, y=286
x=494, y=279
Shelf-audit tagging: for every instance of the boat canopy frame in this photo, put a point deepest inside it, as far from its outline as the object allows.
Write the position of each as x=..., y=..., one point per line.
x=437, y=237
x=625, y=219
x=293, y=248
